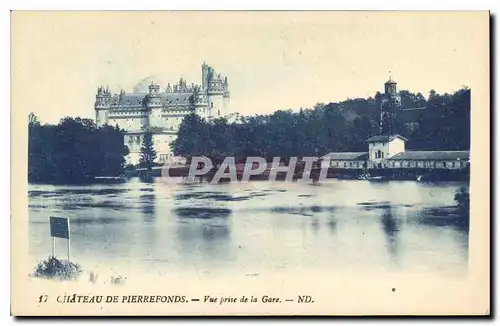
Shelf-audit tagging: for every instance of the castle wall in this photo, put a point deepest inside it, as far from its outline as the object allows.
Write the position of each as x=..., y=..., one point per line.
x=162, y=146
x=101, y=117
x=161, y=143
x=225, y=105
x=217, y=106
x=128, y=122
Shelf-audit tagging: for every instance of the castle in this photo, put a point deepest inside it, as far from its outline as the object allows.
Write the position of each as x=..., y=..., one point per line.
x=161, y=112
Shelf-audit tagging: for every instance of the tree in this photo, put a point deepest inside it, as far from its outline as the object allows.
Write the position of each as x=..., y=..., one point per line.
x=33, y=120
x=148, y=153
x=333, y=127
x=73, y=151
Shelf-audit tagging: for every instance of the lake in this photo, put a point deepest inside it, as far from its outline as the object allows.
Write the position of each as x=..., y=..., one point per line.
x=254, y=228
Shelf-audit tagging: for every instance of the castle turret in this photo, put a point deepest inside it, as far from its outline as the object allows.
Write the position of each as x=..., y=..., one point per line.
x=102, y=105
x=153, y=98
x=154, y=88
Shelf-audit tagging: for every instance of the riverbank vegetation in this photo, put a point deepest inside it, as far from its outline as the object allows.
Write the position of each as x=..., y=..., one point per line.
x=444, y=124
x=462, y=198
x=73, y=151
x=53, y=268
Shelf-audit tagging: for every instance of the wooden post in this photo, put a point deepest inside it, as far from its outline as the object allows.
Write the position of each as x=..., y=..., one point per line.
x=53, y=247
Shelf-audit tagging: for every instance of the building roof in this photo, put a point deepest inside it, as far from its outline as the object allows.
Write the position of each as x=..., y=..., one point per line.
x=346, y=156
x=384, y=138
x=128, y=99
x=390, y=81
x=136, y=99
x=169, y=99
x=432, y=155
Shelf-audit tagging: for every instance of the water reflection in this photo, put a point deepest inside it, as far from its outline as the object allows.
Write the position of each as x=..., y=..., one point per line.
x=448, y=216
x=202, y=224
x=315, y=224
x=391, y=227
x=346, y=224
x=147, y=202
x=332, y=224
x=207, y=239
x=202, y=212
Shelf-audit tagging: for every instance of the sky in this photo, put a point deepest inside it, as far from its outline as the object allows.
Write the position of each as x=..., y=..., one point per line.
x=273, y=60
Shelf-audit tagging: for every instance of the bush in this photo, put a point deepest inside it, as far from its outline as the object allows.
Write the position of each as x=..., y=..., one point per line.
x=54, y=268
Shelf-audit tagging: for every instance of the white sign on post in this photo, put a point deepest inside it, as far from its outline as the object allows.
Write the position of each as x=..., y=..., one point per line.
x=59, y=228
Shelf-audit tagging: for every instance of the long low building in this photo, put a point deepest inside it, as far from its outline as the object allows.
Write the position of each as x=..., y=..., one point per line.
x=347, y=160
x=430, y=160
x=387, y=152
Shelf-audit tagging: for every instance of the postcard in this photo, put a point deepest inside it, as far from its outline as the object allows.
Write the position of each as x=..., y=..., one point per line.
x=180, y=163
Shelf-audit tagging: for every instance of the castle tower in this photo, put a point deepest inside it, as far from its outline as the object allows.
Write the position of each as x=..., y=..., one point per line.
x=390, y=104
x=102, y=105
x=217, y=89
x=153, y=105
x=205, y=70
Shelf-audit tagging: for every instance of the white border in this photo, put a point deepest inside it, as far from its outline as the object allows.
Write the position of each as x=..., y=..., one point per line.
x=492, y=5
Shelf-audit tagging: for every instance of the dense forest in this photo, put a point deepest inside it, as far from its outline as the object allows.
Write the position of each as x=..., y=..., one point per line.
x=343, y=126
x=74, y=150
